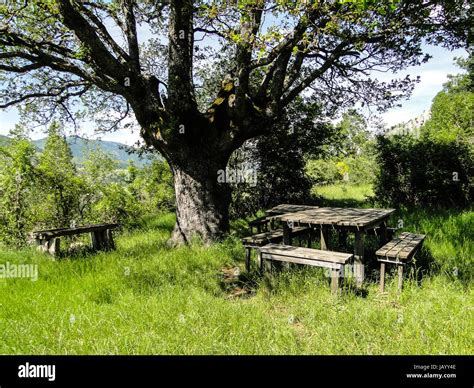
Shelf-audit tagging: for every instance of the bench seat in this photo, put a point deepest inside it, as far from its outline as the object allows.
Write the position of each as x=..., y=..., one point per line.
x=398, y=251
x=258, y=223
x=270, y=237
x=273, y=236
x=307, y=256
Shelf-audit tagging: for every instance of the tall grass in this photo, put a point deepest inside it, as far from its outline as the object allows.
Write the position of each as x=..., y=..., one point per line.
x=147, y=298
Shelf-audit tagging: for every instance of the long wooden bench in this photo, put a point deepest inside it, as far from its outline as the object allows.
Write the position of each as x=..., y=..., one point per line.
x=335, y=261
x=101, y=236
x=398, y=251
x=273, y=236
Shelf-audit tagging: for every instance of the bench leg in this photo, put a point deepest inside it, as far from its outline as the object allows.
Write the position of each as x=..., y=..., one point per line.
x=247, y=259
x=54, y=248
x=334, y=280
x=382, y=277
x=97, y=242
x=51, y=246
x=310, y=238
x=400, y=278
x=359, y=258
x=110, y=239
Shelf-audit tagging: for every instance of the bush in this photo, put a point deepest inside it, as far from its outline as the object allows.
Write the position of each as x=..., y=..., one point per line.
x=321, y=172
x=424, y=172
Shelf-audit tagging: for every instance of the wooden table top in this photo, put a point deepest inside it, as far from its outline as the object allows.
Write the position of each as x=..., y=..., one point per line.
x=352, y=217
x=288, y=208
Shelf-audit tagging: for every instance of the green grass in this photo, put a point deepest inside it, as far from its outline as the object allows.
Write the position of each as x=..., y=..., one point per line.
x=147, y=298
x=344, y=195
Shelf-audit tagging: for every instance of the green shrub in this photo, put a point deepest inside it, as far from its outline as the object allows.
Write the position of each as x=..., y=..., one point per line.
x=424, y=172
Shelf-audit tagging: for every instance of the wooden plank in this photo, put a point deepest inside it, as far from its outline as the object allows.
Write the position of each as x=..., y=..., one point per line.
x=315, y=262
x=402, y=247
x=306, y=253
x=287, y=208
x=359, y=218
x=48, y=234
x=266, y=237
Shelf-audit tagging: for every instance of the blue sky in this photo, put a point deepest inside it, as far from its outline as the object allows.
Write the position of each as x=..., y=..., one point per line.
x=433, y=74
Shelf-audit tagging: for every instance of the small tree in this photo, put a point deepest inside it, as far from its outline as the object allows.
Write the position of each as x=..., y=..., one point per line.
x=452, y=110
x=60, y=184
x=17, y=182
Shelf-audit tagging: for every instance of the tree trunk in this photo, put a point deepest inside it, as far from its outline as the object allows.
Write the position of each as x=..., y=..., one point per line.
x=202, y=203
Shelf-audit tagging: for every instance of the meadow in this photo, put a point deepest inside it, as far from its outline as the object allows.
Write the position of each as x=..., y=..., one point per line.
x=148, y=298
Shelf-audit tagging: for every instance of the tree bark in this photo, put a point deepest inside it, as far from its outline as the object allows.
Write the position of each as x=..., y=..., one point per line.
x=202, y=203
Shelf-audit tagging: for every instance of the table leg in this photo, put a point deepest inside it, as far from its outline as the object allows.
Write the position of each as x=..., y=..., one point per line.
x=359, y=258
x=324, y=238
x=247, y=259
x=310, y=237
x=383, y=238
x=286, y=234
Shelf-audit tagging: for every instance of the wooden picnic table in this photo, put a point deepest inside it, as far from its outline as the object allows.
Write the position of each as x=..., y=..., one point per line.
x=342, y=220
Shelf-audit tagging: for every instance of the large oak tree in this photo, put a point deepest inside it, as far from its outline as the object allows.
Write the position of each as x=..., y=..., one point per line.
x=54, y=52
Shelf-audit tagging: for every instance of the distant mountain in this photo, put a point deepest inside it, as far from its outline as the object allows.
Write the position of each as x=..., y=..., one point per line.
x=80, y=148
x=3, y=139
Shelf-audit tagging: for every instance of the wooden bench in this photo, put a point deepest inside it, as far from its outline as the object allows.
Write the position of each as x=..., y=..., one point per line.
x=101, y=236
x=273, y=236
x=398, y=251
x=259, y=223
x=335, y=261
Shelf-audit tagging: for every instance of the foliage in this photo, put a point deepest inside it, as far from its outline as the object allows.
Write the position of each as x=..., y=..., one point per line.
x=424, y=172
x=42, y=190
x=452, y=117
x=152, y=185
x=437, y=168
x=279, y=160
x=17, y=185
x=60, y=185
x=349, y=156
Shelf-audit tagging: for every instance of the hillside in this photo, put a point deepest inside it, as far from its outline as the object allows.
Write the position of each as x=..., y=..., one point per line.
x=80, y=147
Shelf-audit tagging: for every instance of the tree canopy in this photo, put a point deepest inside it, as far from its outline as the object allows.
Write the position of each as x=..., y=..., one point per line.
x=56, y=53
